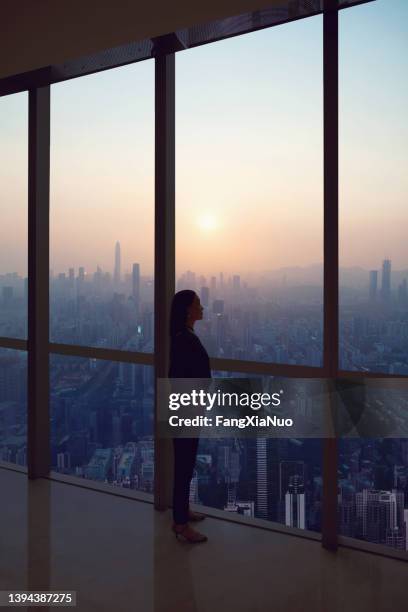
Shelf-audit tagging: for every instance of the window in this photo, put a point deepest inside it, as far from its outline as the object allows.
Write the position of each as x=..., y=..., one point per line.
x=102, y=421
x=373, y=97
x=13, y=406
x=249, y=192
x=279, y=480
x=13, y=197
x=102, y=209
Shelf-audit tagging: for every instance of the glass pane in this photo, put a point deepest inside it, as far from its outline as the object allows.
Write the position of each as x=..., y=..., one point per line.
x=14, y=214
x=249, y=189
x=373, y=480
x=102, y=421
x=279, y=480
x=373, y=47
x=371, y=500
x=13, y=406
x=102, y=209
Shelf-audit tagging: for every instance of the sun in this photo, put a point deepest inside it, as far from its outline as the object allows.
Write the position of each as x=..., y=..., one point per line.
x=207, y=222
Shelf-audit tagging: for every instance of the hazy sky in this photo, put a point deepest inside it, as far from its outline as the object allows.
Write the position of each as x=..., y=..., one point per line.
x=249, y=158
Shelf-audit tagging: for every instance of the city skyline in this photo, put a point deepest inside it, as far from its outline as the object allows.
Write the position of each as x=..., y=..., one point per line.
x=117, y=270
x=276, y=318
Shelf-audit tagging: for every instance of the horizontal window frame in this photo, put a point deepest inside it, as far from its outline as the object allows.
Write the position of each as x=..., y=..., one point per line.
x=268, y=368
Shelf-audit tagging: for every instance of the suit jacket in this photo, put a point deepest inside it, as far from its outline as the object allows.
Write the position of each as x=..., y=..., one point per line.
x=188, y=357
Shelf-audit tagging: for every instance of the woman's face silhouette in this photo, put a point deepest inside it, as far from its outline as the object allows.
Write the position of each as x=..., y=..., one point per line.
x=195, y=311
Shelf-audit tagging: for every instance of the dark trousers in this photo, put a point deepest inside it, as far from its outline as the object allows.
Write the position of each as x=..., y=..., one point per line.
x=185, y=452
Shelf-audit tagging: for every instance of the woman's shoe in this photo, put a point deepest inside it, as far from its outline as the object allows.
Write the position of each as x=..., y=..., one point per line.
x=194, y=517
x=188, y=533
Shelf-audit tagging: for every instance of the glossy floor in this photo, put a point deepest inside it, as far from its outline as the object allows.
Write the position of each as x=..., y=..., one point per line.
x=119, y=555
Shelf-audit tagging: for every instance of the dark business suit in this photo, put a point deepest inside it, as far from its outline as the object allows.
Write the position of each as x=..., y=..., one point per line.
x=188, y=359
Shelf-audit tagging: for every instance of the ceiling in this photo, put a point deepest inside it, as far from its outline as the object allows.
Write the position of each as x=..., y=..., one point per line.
x=37, y=33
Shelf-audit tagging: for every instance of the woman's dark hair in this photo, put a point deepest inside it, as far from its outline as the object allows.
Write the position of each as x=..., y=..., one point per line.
x=178, y=313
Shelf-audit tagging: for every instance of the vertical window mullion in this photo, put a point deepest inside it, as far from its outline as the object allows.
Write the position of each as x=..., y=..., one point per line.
x=164, y=251
x=331, y=261
x=38, y=456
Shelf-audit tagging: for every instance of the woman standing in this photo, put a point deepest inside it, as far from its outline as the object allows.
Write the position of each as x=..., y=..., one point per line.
x=188, y=359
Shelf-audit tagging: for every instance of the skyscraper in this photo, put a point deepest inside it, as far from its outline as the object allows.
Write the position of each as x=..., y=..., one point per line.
x=136, y=286
x=213, y=285
x=403, y=292
x=116, y=272
x=373, y=285
x=205, y=296
x=218, y=307
x=193, y=496
x=81, y=281
x=71, y=279
x=380, y=517
x=287, y=471
x=295, y=513
x=221, y=280
x=386, y=280
x=261, y=478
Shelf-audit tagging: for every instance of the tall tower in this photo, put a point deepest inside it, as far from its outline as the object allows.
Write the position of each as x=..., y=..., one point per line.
x=116, y=272
x=81, y=281
x=287, y=471
x=205, y=296
x=213, y=285
x=373, y=285
x=295, y=511
x=386, y=279
x=136, y=286
x=193, y=495
x=261, y=478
